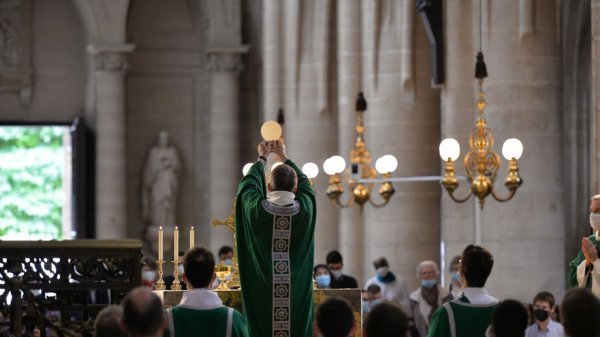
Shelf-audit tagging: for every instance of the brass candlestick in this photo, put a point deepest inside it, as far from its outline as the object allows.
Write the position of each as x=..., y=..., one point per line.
x=160, y=284
x=176, y=285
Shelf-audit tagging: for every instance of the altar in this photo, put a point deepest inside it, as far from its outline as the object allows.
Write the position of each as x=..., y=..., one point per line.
x=233, y=299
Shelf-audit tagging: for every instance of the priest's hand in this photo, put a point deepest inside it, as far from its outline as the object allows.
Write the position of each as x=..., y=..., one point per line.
x=263, y=149
x=589, y=251
x=279, y=149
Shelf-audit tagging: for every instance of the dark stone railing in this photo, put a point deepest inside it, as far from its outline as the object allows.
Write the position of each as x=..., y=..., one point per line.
x=60, y=286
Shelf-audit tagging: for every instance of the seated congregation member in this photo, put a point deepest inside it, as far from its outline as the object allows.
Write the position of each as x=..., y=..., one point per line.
x=544, y=326
x=107, y=322
x=149, y=273
x=509, y=319
x=322, y=276
x=393, y=288
x=143, y=314
x=201, y=312
x=334, y=318
x=335, y=264
x=581, y=313
x=471, y=313
x=455, y=288
x=386, y=319
x=371, y=297
x=428, y=297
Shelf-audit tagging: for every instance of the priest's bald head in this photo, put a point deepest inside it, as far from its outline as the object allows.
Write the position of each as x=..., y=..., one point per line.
x=283, y=178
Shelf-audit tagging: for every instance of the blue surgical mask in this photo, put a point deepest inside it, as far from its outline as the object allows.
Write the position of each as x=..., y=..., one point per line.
x=365, y=306
x=228, y=262
x=428, y=283
x=455, y=276
x=323, y=281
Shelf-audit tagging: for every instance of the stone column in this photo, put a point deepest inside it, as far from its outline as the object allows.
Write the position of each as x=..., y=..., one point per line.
x=351, y=228
x=595, y=172
x=109, y=76
x=402, y=120
x=225, y=65
x=273, y=51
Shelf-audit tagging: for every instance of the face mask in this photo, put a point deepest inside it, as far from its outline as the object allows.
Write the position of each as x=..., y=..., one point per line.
x=365, y=306
x=595, y=221
x=336, y=273
x=382, y=271
x=375, y=302
x=149, y=275
x=455, y=276
x=541, y=314
x=323, y=281
x=180, y=267
x=428, y=283
x=228, y=262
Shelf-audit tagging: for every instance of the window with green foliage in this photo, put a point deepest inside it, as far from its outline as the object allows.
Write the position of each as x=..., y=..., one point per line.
x=32, y=165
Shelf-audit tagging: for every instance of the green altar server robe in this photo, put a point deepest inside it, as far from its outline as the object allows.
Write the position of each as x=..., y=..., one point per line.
x=460, y=318
x=275, y=246
x=578, y=270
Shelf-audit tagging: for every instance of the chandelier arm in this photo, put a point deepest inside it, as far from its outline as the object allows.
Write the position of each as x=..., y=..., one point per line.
x=376, y=205
x=500, y=199
x=451, y=194
x=336, y=201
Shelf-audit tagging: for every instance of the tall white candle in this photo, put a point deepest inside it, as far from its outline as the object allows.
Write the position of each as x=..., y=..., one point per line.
x=160, y=243
x=176, y=244
x=192, y=238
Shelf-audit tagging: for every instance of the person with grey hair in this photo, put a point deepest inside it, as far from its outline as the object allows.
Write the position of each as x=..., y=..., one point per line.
x=428, y=297
x=107, y=322
x=584, y=270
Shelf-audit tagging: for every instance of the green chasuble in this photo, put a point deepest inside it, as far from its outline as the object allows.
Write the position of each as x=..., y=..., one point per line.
x=459, y=318
x=219, y=322
x=575, y=263
x=275, y=254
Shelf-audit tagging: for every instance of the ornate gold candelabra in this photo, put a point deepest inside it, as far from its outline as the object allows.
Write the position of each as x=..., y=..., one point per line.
x=482, y=162
x=176, y=284
x=361, y=169
x=160, y=284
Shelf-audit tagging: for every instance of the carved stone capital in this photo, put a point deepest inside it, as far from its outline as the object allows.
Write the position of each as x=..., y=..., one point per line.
x=110, y=57
x=226, y=59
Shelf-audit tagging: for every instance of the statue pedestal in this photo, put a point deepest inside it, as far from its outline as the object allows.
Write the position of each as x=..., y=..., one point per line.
x=233, y=299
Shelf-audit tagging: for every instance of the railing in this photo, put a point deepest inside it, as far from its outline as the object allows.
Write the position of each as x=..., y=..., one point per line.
x=59, y=286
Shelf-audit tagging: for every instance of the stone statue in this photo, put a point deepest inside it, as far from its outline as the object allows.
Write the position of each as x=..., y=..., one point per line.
x=160, y=186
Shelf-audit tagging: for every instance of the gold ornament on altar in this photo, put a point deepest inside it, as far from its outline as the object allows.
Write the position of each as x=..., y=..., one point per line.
x=234, y=280
x=160, y=283
x=222, y=271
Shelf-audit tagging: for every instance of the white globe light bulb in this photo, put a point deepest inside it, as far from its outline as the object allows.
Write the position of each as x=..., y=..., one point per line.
x=449, y=149
x=512, y=148
x=328, y=167
x=339, y=164
x=275, y=165
x=310, y=169
x=386, y=164
x=246, y=168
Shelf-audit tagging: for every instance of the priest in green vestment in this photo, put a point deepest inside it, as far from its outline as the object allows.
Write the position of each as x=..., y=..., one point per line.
x=471, y=313
x=275, y=226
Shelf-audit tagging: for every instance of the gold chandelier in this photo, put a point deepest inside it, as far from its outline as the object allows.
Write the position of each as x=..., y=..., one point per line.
x=481, y=163
x=359, y=177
